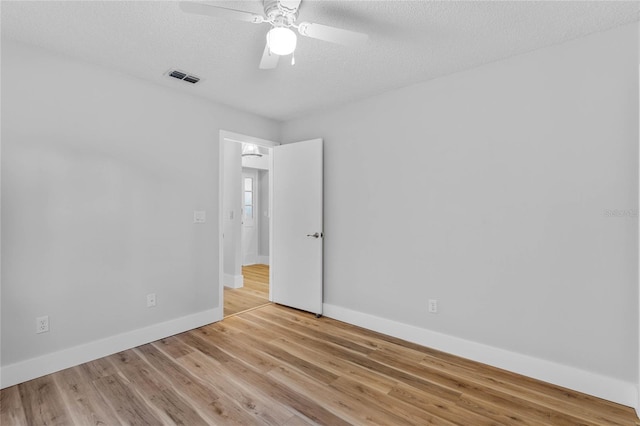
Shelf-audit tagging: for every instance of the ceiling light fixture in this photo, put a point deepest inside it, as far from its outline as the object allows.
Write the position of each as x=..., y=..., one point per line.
x=251, y=150
x=281, y=41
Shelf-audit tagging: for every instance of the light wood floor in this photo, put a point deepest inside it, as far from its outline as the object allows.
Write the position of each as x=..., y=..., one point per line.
x=254, y=293
x=274, y=365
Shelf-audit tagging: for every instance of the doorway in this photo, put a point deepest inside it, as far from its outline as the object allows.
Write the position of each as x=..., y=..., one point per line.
x=294, y=217
x=254, y=240
x=245, y=216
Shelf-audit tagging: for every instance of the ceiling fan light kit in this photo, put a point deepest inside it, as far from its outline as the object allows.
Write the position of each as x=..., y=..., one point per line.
x=281, y=41
x=282, y=16
x=251, y=150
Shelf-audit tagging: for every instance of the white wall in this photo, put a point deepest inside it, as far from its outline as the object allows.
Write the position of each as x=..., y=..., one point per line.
x=492, y=190
x=101, y=173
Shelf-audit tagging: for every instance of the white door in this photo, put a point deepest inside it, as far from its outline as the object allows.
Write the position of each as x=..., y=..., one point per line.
x=296, y=251
x=249, y=216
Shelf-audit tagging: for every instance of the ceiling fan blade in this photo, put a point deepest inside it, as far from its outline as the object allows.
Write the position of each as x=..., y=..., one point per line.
x=220, y=12
x=269, y=59
x=331, y=34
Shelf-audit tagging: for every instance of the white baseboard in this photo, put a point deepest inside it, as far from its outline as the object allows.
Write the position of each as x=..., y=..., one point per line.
x=249, y=259
x=22, y=371
x=605, y=387
x=263, y=260
x=233, y=281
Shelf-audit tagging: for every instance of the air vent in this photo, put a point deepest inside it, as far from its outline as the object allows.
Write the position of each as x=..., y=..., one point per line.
x=180, y=75
x=191, y=79
x=177, y=74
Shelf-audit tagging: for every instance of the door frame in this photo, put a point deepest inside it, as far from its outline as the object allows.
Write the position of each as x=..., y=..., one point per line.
x=226, y=137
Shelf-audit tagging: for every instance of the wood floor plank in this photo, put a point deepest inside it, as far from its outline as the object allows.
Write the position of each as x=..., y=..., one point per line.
x=265, y=410
x=236, y=346
x=282, y=356
x=299, y=402
x=351, y=410
x=11, y=411
x=298, y=421
x=244, y=326
x=219, y=327
x=321, y=324
x=372, y=397
x=97, y=369
x=285, y=357
x=215, y=405
x=337, y=366
x=157, y=391
x=129, y=407
x=314, y=333
x=440, y=408
x=235, y=304
x=85, y=404
x=546, y=396
x=489, y=395
x=42, y=402
x=174, y=347
x=368, y=363
x=194, y=340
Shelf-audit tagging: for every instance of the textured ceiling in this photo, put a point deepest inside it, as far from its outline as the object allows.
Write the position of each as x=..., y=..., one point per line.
x=410, y=41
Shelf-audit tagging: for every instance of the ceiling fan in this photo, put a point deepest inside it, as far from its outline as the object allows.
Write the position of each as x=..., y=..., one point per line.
x=282, y=16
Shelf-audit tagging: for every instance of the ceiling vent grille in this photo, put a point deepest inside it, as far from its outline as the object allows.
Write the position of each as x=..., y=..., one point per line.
x=180, y=75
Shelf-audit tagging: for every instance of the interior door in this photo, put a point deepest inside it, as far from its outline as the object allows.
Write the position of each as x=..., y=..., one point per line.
x=297, y=234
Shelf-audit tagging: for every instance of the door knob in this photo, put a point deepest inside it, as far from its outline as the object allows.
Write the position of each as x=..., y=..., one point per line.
x=316, y=235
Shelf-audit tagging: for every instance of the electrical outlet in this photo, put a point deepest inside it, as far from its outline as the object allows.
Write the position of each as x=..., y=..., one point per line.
x=199, y=216
x=42, y=324
x=151, y=300
x=433, y=306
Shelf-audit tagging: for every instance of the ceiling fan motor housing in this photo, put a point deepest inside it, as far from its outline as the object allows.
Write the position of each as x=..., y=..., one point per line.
x=281, y=13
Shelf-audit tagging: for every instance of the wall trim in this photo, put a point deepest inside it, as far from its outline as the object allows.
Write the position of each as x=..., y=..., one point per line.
x=233, y=281
x=263, y=260
x=638, y=358
x=605, y=387
x=22, y=371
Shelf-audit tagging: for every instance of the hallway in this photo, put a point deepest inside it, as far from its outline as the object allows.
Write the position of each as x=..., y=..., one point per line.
x=255, y=292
